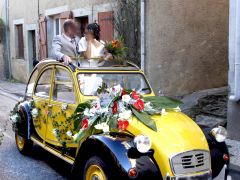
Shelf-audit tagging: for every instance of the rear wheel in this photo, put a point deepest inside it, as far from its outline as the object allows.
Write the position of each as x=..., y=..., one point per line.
x=24, y=145
x=96, y=169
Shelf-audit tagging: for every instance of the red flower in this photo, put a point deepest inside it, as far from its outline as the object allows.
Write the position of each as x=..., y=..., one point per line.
x=139, y=105
x=123, y=92
x=115, y=43
x=122, y=124
x=85, y=123
x=135, y=95
x=115, y=108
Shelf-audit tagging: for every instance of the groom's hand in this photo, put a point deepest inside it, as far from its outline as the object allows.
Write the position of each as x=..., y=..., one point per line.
x=66, y=59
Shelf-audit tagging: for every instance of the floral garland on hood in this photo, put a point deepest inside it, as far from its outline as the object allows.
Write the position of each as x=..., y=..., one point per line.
x=113, y=109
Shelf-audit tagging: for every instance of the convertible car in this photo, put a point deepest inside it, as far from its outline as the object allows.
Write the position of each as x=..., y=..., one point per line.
x=177, y=149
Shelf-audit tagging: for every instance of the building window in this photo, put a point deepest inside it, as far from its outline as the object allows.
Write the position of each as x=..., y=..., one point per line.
x=57, y=26
x=19, y=42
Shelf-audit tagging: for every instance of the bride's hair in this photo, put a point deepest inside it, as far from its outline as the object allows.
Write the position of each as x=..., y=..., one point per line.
x=95, y=29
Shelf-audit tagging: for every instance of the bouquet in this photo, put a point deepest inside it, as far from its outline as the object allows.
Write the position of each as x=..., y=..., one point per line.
x=117, y=48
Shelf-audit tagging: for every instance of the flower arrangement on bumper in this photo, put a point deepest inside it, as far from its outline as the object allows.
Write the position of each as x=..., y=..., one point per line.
x=113, y=110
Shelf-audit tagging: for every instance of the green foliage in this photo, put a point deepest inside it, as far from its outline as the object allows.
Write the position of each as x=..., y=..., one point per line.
x=162, y=102
x=102, y=89
x=78, y=115
x=145, y=119
x=117, y=48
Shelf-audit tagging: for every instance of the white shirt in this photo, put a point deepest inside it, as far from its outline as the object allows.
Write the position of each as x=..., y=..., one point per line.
x=95, y=53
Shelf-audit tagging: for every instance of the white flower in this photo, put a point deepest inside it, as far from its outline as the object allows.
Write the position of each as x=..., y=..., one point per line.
x=75, y=136
x=14, y=118
x=177, y=109
x=96, y=103
x=20, y=99
x=125, y=115
x=89, y=112
x=102, y=126
x=126, y=98
x=34, y=113
x=69, y=133
x=55, y=132
x=64, y=107
x=92, y=111
x=164, y=112
x=103, y=110
x=117, y=88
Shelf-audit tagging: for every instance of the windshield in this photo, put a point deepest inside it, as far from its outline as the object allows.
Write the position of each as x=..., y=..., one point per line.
x=89, y=82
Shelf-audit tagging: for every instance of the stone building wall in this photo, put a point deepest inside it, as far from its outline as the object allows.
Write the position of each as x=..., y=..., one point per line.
x=2, y=71
x=186, y=45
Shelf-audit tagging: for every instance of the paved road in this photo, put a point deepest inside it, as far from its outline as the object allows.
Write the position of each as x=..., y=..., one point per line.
x=39, y=165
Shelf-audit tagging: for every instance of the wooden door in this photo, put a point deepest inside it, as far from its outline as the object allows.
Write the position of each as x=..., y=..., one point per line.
x=105, y=20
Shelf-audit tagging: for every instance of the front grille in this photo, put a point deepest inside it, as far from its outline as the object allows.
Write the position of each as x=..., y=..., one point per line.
x=190, y=162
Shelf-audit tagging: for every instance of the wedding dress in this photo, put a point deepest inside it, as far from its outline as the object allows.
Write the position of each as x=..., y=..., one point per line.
x=96, y=52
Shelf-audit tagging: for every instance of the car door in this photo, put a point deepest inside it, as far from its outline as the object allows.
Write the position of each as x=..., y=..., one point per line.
x=63, y=104
x=41, y=97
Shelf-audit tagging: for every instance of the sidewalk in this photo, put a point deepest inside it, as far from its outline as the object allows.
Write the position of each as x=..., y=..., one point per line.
x=12, y=89
x=17, y=90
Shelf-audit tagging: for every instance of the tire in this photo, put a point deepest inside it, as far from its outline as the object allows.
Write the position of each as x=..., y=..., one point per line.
x=96, y=167
x=24, y=146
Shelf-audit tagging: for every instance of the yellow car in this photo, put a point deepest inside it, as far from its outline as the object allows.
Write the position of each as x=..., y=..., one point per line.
x=177, y=149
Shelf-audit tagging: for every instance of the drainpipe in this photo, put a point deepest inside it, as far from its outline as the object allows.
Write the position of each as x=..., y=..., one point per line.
x=142, y=31
x=236, y=91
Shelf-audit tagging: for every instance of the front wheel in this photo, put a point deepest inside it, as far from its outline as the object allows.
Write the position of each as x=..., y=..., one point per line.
x=24, y=145
x=96, y=169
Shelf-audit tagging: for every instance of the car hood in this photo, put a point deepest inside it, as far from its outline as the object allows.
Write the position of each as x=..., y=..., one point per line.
x=176, y=133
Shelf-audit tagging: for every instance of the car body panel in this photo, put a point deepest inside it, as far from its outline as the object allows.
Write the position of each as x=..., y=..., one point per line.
x=176, y=133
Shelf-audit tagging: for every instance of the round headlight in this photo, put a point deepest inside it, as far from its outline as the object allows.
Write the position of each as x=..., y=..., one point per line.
x=142, y=143
x=220, y=133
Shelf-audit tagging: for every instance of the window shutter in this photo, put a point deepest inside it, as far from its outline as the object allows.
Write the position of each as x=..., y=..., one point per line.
x=43, y=52
x=105, y=20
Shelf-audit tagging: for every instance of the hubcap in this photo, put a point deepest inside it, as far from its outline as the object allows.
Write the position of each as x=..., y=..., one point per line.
x=94, y=172
x=20, y=141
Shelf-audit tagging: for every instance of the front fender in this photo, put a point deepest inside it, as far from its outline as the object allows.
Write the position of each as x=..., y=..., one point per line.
x=120, y=148
x=217, y=150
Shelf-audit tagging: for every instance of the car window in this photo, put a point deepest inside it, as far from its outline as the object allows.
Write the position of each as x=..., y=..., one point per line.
x=31, y=82
x=44, y=84
x=63, y=86
x=89, y=83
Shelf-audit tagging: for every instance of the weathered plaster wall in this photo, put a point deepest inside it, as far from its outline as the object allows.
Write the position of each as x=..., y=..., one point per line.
x=186, y=45
x=2, y=74
x=29, y=13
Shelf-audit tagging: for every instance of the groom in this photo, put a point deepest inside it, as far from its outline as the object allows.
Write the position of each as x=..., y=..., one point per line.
x=65, y=46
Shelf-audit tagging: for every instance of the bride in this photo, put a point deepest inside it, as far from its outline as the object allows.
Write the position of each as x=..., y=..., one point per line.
x=93, y=48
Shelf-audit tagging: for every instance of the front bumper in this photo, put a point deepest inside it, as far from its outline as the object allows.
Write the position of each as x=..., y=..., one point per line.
x=202, y=176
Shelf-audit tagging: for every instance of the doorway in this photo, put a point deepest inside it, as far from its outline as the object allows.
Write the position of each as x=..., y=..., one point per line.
x=32, y=55
x=82, y=23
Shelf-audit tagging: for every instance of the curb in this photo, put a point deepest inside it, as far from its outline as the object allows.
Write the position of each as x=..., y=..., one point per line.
x=234, y=171
x=9, y=95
